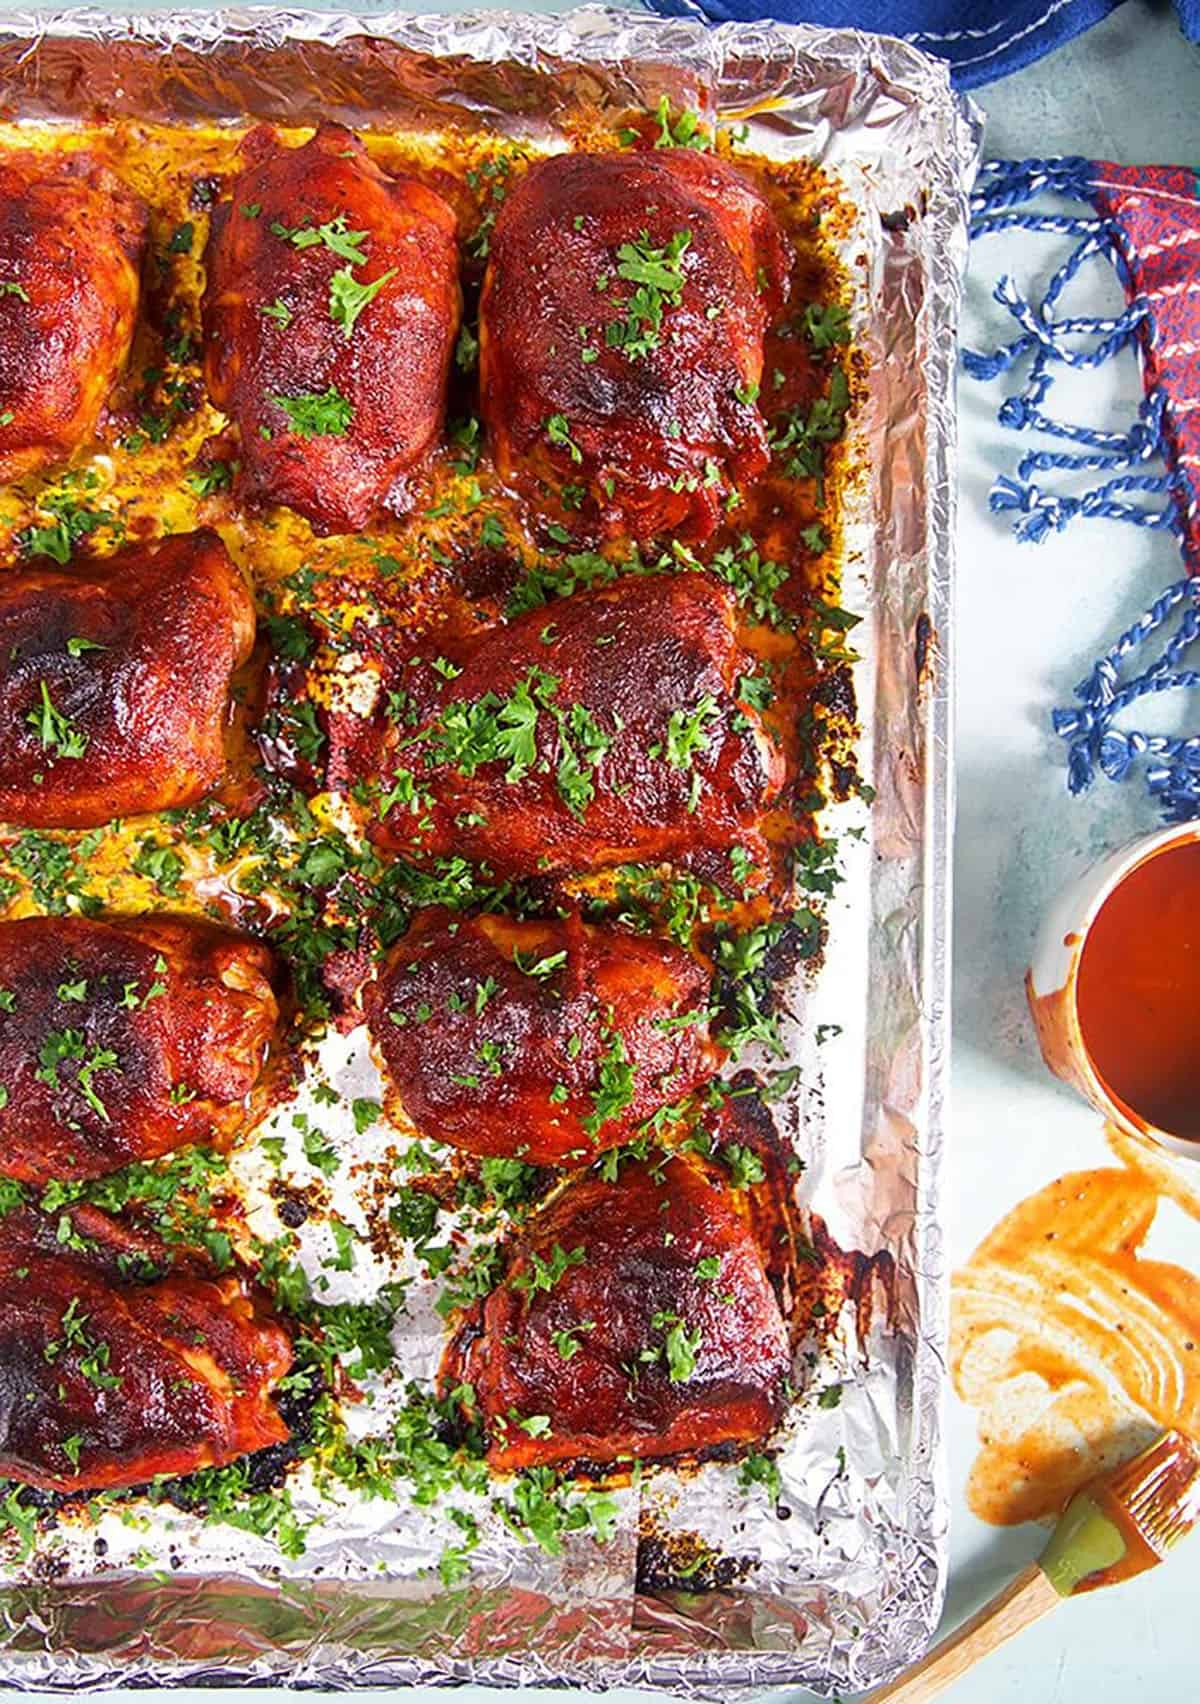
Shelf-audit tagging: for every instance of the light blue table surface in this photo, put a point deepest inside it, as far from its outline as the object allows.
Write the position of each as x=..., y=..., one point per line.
x=1029, y=622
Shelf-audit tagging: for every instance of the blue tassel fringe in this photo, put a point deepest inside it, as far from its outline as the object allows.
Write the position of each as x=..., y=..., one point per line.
x=1049, y=342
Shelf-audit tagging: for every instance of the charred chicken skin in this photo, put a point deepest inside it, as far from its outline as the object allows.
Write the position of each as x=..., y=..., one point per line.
x=108, y=1382
x=544, y=1042
x=634, y=1319
x=330, y=314
x=621, y=333
x=71, y=244
x=115, y=679
x=122, y=1040
x=607, y=728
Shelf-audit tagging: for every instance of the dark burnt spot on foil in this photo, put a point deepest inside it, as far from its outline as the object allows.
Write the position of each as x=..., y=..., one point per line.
x=293, y=1209
x=904, y=218
x=923, y=648
x=843, y=779
x=684, y=1562
x=836, y=694
x=297, y=1204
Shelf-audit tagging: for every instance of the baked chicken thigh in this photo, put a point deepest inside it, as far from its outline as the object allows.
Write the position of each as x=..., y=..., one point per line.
x=544, y=1042
x=621, y=333
x=604, y=729
x=115, y=678
x=635, y=1318
x=330, y=314
x=71, y=244
x=105, y=1381
x=121, y=1040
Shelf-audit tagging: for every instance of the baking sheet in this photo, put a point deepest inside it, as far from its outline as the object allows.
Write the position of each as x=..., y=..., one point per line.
x=848, y=1588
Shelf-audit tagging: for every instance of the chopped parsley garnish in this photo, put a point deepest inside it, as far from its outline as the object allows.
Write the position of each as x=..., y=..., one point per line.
x=754, y=579
x=567, y=1341
x=365, y=1113
x=614, y=1086
x=800, y=437
x=319, y=1151
x=161, y=865
x=73, y=521
x=542, y=1274
x=346, y=244
x=348, y=298
x=61, y=1046
x=278, y=311
x=743, y=1165
x=544, y=966
x=539, y=1510
x=558, y=432
x=826, y=324
x=22, y=1518
x=328, y=415
x=217, y=476
x=687, y=733
x=466, y=350
x=658, y=276
x=680, y=1346
x=761, y=1470
x=683, y=131
x=56, y=731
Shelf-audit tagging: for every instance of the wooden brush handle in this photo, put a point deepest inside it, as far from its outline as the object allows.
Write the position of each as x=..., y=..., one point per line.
x=1026, y=1600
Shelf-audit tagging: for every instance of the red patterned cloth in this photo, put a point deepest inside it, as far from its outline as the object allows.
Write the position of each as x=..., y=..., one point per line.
x=1155, y=217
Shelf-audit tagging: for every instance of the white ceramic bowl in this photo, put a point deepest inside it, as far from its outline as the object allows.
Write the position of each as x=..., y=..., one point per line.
x=1052, y=982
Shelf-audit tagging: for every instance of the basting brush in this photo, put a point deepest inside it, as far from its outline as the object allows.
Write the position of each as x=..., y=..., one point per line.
x=1120, y=1525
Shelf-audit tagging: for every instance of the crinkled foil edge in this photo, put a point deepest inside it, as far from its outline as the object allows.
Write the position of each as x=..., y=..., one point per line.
x=827, y=90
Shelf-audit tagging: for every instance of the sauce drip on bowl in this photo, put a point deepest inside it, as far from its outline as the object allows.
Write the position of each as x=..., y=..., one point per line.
x=1139, y=992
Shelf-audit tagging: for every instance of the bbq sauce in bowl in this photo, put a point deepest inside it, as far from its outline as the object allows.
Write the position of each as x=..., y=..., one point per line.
x=1138, y=992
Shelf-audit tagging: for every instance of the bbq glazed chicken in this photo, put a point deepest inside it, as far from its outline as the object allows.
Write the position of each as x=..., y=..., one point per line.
x=115, y=680
x=71, y=244
x=621, y=333
x=121, y=1040
x=106, y=1381
x=330, y=313
x=602, y=729
x=635, y=1317
x=544, y=1042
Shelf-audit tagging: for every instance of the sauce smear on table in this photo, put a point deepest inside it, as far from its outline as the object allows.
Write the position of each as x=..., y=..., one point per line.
x=1075, y=1345
x=1139, y=992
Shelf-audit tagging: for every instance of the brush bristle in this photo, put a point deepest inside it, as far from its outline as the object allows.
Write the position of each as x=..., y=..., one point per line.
x=1159, y=1490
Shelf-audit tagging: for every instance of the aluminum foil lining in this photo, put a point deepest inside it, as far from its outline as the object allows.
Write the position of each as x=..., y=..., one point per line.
x=847, y=1589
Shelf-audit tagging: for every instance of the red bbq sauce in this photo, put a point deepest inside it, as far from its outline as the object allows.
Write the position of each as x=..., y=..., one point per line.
x=1138, y=992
